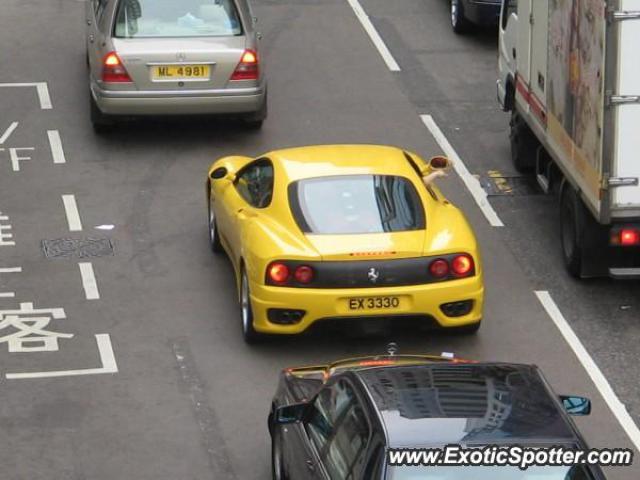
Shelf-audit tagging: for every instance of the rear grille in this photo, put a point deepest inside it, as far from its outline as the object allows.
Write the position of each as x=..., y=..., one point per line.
x=371, y=273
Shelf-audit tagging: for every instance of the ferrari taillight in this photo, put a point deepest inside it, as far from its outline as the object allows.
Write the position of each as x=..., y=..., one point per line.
x=462, y=265
x=278, y=273
x=303, y=274
x=439, y=268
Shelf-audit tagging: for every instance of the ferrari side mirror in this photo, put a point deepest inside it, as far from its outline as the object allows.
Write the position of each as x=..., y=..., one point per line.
x=439, y=163
x=219, y=173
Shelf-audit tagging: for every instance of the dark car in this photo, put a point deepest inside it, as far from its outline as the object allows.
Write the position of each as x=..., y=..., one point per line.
x=338, y=421
x=464, y=13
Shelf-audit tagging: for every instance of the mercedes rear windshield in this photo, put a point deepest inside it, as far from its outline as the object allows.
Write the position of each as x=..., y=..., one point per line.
x=176, y=19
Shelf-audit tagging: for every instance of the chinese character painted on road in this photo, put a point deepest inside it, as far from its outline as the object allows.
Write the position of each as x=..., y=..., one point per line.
x=27, y=329
x=5, y=237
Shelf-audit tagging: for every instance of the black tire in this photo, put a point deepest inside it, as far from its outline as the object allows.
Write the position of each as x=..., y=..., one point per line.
x=214, y=236
x=250, y=335
x=466, y=329
x=254, y=120
x=571, y=231
x=459, y=22
x=524, y=144
x=101, y=123
x=277, y=471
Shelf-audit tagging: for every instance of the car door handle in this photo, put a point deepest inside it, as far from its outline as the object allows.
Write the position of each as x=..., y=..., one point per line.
x=310, y=465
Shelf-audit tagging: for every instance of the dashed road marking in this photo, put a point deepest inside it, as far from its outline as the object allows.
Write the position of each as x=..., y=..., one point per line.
x=7, y=294
x=89, y=281
x=41, y=88
x=10, y=269
x=107, y=358
x=471, y=182
x=7, y=133
x=56, y=146
x=617, y=407
x=374, y=36
x=73, y=216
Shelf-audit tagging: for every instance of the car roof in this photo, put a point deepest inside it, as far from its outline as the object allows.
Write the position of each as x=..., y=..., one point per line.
x=328, y=160
x=484, y=403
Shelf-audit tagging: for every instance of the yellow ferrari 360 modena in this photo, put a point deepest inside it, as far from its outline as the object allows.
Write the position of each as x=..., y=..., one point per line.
x=343, y=232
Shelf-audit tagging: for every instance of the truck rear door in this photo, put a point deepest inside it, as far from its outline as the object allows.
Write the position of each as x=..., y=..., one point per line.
x=627, y=100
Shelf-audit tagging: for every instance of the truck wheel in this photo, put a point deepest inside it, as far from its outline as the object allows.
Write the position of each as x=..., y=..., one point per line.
x=571, y=223
x=524, y=144
x=459, y=22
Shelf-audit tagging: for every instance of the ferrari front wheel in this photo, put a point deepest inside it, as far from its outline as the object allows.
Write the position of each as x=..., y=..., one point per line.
x=249, y=333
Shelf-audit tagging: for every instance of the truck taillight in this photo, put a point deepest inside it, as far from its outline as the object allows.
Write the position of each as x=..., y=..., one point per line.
x=248, y=68
x=626, y=237
x=113, y=70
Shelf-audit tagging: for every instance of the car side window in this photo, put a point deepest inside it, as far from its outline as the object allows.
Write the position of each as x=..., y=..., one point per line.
x=254, y=183
x=375, y=463
x=339, y=430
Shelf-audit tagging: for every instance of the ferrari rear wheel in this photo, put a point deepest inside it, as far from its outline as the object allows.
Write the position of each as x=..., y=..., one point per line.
x=249, y=333
x=466, y=329
x=214, y=237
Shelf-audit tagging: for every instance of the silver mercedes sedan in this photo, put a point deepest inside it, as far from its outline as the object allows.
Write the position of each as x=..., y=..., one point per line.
x=174, y=57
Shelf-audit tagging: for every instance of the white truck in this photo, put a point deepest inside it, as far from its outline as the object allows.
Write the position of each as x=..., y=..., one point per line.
x=569, y=73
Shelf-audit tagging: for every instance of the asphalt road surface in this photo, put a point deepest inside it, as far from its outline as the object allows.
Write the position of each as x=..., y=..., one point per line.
x=151, y=379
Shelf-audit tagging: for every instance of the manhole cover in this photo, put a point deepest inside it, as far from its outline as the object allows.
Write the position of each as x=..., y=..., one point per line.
x=514, y=186
x=80, y=248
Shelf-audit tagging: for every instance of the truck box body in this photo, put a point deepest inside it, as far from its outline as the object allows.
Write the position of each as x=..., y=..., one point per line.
x=571, y=70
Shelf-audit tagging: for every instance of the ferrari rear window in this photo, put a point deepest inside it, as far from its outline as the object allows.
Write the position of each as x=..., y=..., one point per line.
x=171, y=18
x=355, y=204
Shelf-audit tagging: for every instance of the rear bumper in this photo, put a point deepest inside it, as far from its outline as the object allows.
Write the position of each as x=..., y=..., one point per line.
x=223, y=101
x=323, y=304
x=485, y=13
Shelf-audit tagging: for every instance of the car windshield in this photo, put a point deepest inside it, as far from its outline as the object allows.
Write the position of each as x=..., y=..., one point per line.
x=487, y=473
x=355, y=204
x=171, y=18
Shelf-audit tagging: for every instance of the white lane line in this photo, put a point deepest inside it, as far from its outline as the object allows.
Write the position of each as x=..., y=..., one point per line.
x=89, y=281
x=471, y=182
x=107, y=358
x=617, y=407
x=73, y=216
x=7, y=133
x=43, y=95
x=7, y=294
x=42, y=89
x=10, y=269
x=374, y=35
x=56, y=146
